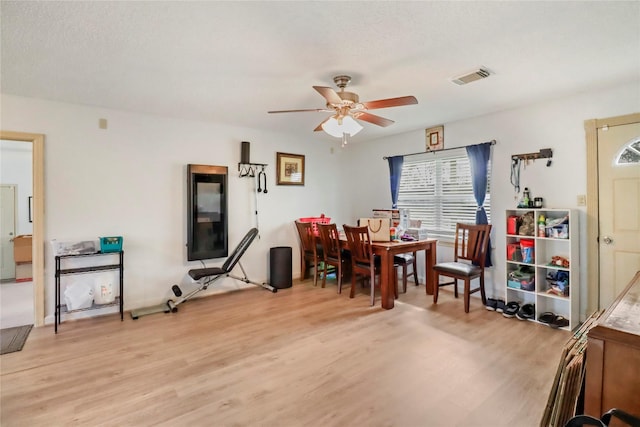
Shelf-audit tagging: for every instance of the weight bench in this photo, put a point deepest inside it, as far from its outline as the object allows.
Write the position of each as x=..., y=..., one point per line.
x=207, y=276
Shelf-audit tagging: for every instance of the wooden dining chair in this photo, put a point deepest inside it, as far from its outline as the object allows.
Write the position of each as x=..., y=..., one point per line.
x=310, y=254
x=404, y=261
x=333, y=253
x=363, y=261
x=470, y=249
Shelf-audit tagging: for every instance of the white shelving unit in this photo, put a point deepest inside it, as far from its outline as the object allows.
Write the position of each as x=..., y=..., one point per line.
x=564, y=243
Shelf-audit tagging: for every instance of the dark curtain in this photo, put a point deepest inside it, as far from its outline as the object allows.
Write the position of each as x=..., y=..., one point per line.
x=479, y=159
x=395, y=172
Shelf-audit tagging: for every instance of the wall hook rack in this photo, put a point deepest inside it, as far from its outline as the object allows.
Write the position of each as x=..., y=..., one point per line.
x=545, y=153
x=250, y=169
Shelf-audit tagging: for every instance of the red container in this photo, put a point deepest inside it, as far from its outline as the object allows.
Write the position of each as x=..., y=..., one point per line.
x=527, y=243
x=316, y=220
x=512, y=224
x=527, y=250
x=513, y=252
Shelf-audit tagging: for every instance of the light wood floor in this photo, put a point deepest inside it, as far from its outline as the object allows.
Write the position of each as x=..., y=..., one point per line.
x=302, y=357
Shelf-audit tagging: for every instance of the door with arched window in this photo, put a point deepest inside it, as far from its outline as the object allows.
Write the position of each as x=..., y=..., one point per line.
x=619, y=208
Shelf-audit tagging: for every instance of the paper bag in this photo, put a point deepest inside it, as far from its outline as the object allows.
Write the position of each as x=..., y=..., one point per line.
x=378, y=228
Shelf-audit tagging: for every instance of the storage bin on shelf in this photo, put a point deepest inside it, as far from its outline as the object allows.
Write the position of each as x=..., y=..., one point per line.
x=522, y=278
x=513, y=222
x=527, y=250
x=111, y=244
x=513, y=252
x=315, y=220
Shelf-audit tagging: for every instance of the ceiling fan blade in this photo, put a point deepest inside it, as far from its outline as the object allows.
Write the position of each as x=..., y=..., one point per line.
x=371, y=118
x=329, y=94
x=313, y=110
x=390, y=102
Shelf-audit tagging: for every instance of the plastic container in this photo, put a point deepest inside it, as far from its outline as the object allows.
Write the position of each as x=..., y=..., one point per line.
x=111, y=244
x=513, y=252
x=512, y=224
x=314, y=220
x=527, y=247
x=522, y=278
x=542, y=231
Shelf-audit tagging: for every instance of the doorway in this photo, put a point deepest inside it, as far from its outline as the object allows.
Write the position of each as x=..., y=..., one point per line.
x=613, y=208
x=37, y=206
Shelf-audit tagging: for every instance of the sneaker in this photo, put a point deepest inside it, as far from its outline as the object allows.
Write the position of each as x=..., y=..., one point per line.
x=491, y=304
x=526, y=312
x=511, y=309
x=500, y=306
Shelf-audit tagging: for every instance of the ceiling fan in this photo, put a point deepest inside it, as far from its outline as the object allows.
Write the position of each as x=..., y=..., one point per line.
x=346, y=107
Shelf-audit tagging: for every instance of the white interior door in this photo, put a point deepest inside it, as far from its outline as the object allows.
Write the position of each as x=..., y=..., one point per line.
x=7, y=230
x=619, y=208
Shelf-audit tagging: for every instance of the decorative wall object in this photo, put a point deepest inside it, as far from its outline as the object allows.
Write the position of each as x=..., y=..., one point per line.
x=435, y=138
x=290, y=169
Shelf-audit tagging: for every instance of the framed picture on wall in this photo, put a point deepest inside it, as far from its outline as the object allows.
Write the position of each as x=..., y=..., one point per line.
x=435, y=138
x=290, y=169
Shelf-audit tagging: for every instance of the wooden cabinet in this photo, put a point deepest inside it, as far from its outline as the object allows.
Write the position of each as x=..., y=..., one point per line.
x=613, y=356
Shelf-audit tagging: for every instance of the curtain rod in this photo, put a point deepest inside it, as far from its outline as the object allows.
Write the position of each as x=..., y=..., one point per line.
x=493, y=142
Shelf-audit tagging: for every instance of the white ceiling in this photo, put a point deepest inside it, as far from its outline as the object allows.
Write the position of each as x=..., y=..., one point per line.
x=231, y=62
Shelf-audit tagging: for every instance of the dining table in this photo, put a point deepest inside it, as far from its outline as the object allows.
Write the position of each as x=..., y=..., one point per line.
x=387, y=250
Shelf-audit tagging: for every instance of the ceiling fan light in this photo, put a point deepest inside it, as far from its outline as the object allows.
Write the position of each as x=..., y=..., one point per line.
x=348, y=126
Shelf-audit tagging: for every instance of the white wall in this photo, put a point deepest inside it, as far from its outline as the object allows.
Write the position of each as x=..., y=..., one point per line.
x=130, y=180
x=15, y=169
x=558, y=125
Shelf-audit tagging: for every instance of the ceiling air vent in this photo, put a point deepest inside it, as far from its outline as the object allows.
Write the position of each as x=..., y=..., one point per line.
x=480, y=73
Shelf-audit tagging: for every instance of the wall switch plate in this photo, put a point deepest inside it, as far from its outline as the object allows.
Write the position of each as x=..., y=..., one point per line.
x=102, y=123
x=581, y=200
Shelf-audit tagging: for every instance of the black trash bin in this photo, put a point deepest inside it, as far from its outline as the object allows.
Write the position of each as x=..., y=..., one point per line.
x=280, y=267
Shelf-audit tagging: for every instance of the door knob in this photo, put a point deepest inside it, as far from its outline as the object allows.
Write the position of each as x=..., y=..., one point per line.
x=607, y=240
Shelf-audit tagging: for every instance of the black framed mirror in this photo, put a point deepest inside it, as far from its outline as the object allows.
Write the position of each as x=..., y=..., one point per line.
x=207, y=212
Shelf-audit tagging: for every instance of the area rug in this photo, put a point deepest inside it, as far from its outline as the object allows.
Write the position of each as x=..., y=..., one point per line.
x=13, y=339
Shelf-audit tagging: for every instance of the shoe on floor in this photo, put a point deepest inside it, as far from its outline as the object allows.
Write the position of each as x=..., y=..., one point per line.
x=559, y=322
x=491, y=304
x=547, y=317
x=500, y=306
x=526, y=312
x=511, y=309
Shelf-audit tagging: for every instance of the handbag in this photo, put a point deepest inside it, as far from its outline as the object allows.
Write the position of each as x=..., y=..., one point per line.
x=378, y=228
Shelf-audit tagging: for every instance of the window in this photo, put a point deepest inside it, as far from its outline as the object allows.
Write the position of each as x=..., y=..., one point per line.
x=630, y=154
x=437, y=189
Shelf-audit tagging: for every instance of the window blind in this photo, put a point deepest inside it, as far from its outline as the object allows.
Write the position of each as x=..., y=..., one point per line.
x=437, y=189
